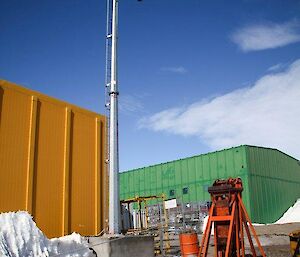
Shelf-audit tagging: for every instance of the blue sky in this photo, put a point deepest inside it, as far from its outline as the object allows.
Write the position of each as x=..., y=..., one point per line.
x=194, y=76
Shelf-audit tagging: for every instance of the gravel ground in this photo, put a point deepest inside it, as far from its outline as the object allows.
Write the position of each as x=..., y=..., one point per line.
x=277, y=251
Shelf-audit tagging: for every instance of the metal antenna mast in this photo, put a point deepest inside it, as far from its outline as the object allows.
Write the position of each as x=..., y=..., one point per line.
x=112, y=93
x=112, y=105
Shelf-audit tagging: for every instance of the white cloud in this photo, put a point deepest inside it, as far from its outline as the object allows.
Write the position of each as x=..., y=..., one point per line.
x=266, y=114
x=277, y=67
x=266, y=36
x=178, y=70
x=130, y=104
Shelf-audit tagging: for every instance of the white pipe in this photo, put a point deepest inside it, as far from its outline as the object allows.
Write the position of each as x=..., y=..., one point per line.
x=114, y=201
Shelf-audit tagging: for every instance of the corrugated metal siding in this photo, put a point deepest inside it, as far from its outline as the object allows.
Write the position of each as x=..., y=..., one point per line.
x=195, y=173
x=271, y=179
x=274, y=182
x=52, y=162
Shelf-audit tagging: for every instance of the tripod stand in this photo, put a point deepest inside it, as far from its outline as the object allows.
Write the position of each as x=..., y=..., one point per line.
x=229, y=217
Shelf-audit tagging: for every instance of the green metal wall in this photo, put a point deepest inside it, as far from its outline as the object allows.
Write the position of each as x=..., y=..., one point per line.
x=196, y=173
x=274, y=182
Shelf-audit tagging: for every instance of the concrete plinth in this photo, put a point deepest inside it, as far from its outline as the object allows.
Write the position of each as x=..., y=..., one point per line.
x=123, y=246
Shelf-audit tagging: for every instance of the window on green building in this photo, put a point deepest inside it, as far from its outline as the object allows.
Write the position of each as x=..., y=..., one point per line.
x=172, y=192
x=185, y=190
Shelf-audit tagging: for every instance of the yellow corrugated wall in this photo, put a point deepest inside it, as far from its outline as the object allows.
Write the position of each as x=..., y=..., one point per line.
x=52, y=162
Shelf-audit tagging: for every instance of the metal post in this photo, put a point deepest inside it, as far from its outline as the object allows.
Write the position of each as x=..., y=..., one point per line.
x=114, y=202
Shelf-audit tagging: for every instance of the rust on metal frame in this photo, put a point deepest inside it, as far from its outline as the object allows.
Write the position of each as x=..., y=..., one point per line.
x=229, y=217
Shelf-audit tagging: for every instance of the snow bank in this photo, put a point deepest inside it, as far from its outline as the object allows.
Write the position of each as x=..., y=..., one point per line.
x=19, y=236
x=291, y=215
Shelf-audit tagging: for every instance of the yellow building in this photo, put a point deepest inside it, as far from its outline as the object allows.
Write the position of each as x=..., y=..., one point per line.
x=52, y=162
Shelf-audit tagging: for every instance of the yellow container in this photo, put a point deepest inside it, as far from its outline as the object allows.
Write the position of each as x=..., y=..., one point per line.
x=294, y=239
x=52, y=162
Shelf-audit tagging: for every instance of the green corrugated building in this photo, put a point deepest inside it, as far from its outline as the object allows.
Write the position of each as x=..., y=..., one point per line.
x=271, y=179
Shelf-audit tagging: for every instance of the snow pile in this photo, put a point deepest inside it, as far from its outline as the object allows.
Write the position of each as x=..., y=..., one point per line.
x=73, y=245
x=291, y=215
x=19, y=236
x=205, y=221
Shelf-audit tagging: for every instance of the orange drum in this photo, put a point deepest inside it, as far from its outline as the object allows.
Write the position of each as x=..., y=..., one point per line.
x=189, y=244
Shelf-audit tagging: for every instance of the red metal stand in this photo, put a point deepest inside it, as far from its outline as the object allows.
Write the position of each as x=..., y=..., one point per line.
x=229, y=217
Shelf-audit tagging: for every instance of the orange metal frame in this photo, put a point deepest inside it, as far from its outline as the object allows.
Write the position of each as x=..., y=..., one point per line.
x=229, y=217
